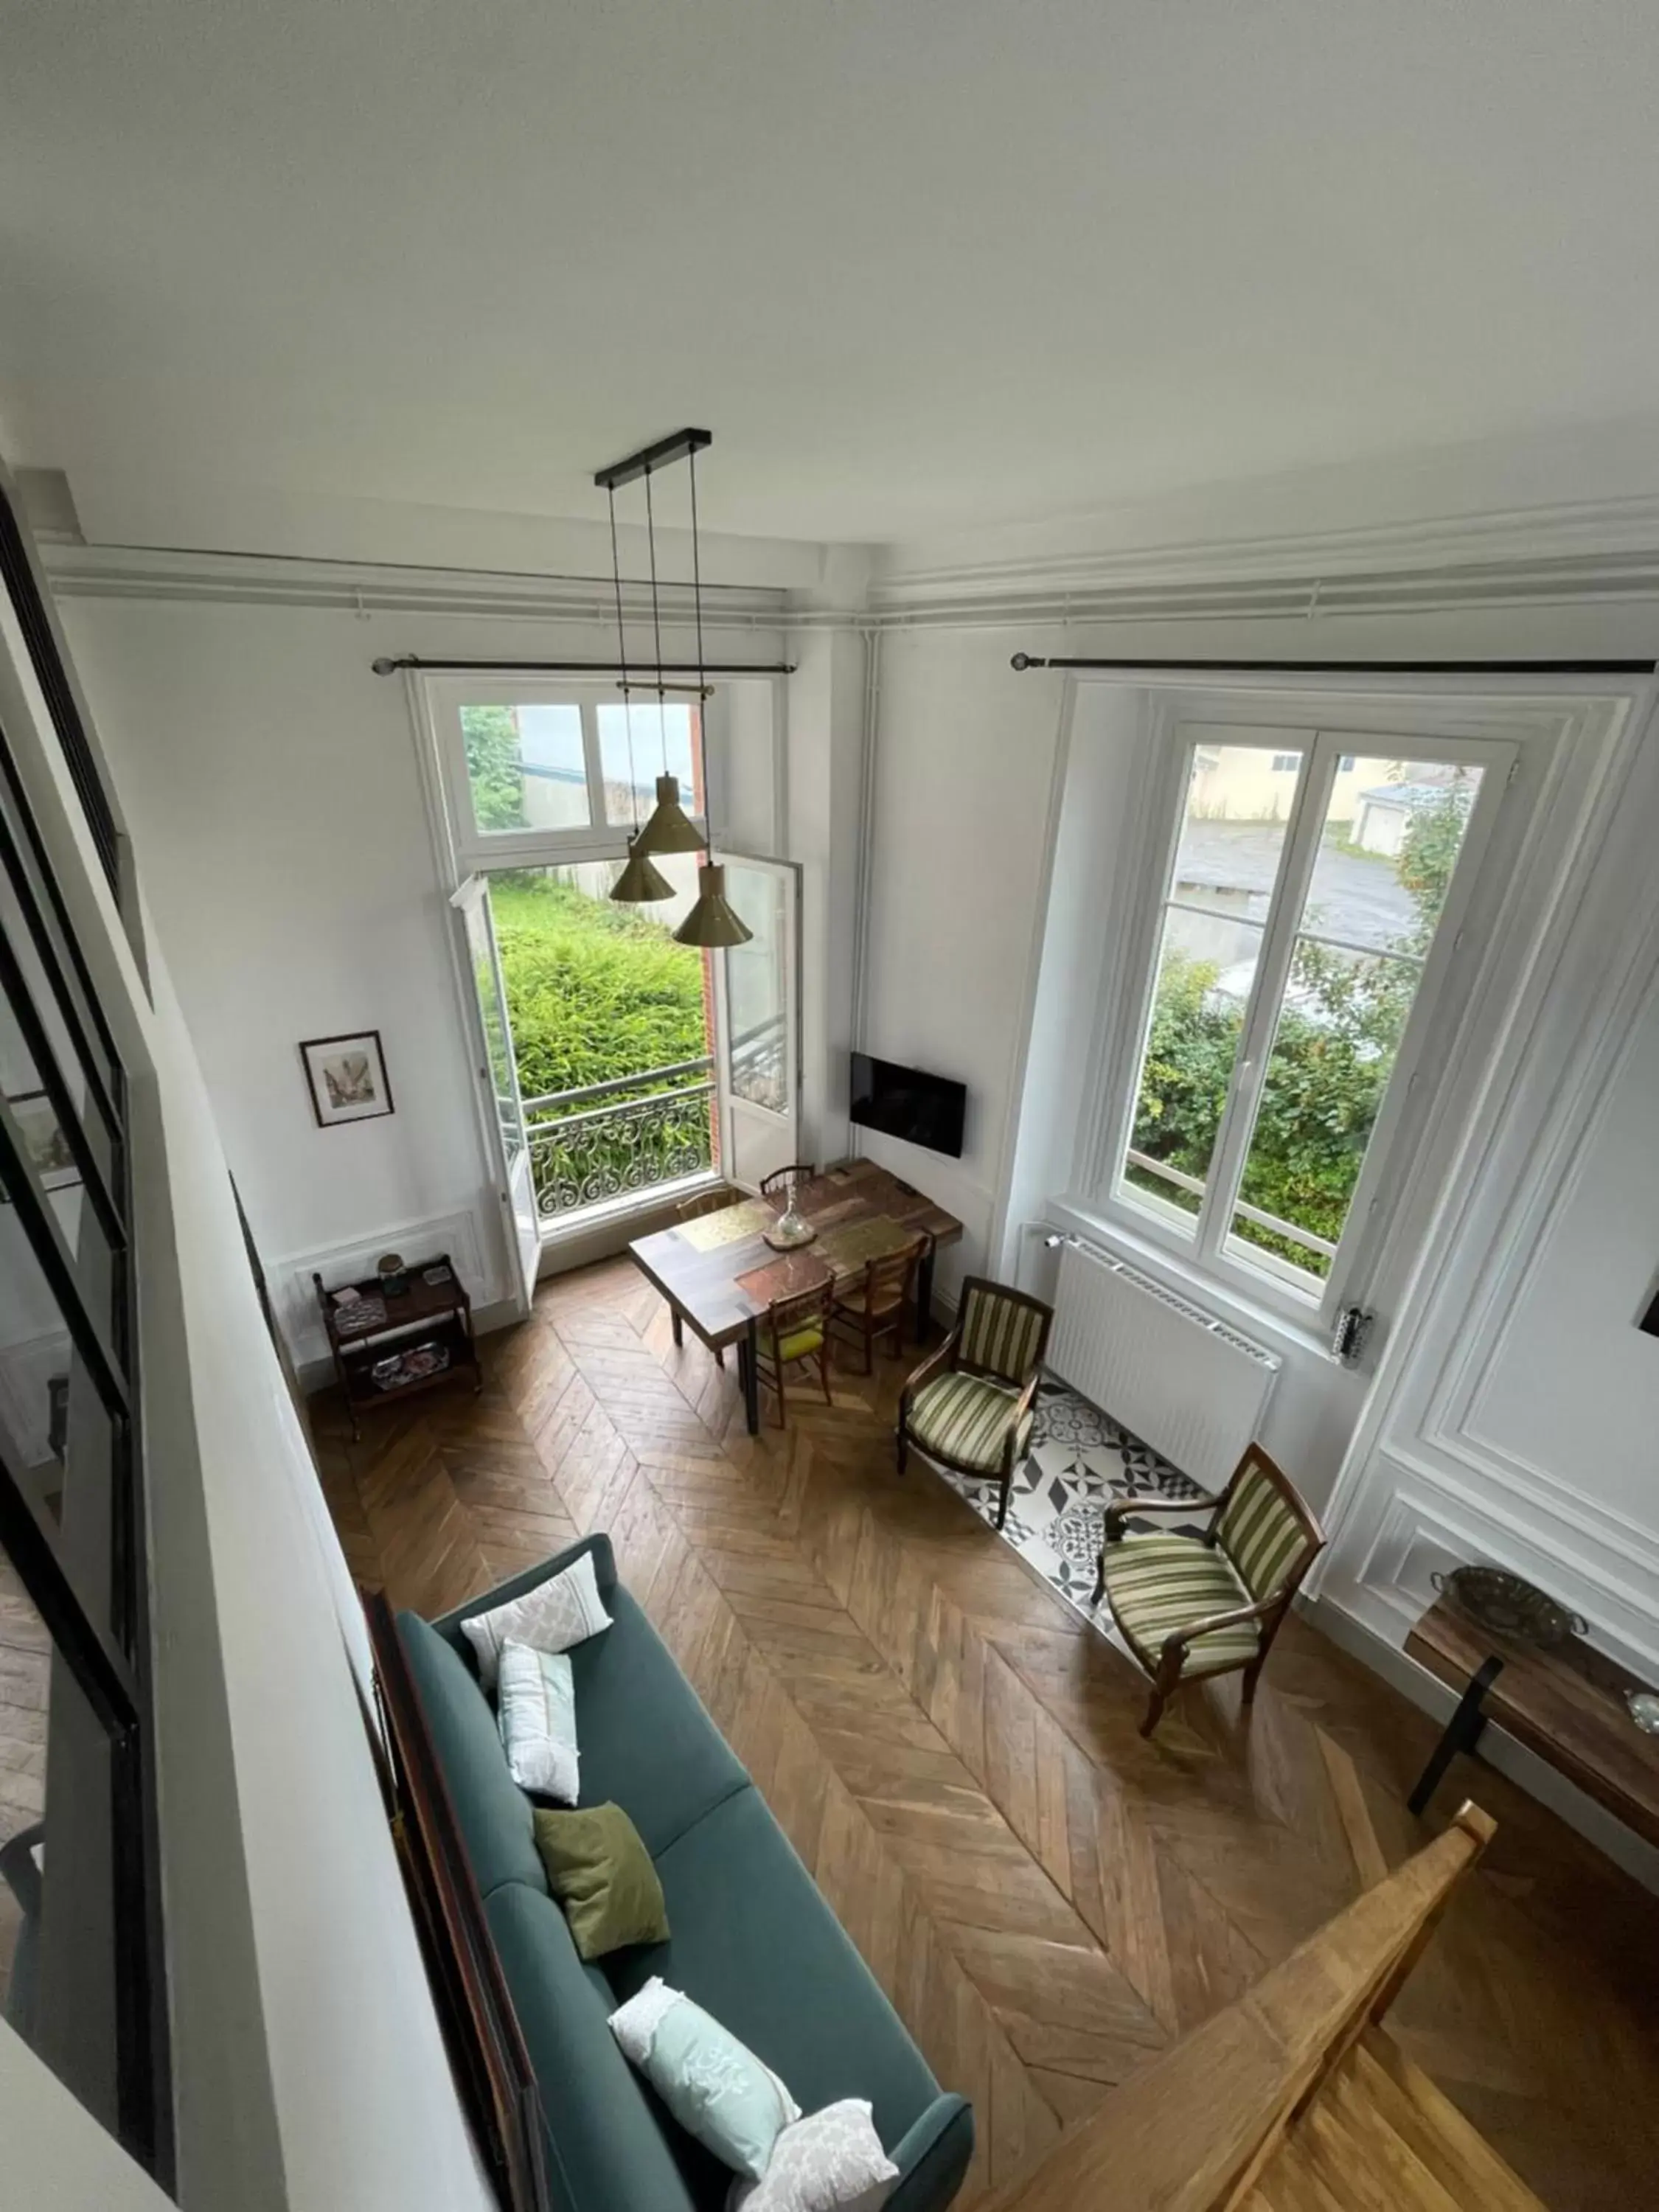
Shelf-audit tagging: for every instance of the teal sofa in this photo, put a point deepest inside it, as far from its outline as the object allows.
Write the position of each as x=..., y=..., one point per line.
x=752, y=1939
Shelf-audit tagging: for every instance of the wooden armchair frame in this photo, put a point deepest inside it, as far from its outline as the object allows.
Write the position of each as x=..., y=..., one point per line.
x=1168, y=1669
x=946, y=1358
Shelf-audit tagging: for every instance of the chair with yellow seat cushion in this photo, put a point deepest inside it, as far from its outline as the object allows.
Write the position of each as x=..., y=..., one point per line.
x=969, y=1404
x=1192, y=1606
x=795, y=1330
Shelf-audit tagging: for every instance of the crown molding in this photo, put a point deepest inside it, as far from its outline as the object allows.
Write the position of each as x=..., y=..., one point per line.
x=1605, y=550
x=138, y=572
x=1604, y=553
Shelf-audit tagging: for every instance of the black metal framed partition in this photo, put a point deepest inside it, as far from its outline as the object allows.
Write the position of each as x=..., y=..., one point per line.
x=83, y=1967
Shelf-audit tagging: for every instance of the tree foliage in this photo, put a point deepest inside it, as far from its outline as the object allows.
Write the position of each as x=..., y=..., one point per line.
x=1338, y=1034
x=491, y=735
x=597, y=994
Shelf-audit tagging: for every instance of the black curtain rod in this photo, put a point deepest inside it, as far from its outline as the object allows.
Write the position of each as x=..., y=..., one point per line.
x=386, y=667
x=1021, y=661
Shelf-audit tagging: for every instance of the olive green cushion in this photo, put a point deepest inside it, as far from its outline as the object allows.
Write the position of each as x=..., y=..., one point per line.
x=602, y=1874
x=754, y=1943
x=799, y=1343
x=607, y=2145
x=493, y=1812
x=1160, y=1583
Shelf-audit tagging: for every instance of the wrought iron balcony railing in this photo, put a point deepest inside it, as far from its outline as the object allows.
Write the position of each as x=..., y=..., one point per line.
x=605, y=1139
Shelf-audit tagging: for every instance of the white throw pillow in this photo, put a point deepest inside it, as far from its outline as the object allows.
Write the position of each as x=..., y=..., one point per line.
x=831, y=2161
x=536, y=1713
x=714, y=2086
x=566, y=1610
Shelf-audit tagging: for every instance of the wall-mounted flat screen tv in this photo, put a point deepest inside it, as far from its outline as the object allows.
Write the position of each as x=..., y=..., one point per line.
x=902, y=1101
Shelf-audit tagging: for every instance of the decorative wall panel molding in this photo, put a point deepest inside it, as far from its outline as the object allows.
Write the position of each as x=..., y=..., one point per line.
x=1425, y=1522
x=294, y=1295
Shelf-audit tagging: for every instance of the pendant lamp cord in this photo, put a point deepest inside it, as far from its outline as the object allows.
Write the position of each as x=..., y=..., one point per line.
x=622, y=657
x=696, y=602
x=656, y=621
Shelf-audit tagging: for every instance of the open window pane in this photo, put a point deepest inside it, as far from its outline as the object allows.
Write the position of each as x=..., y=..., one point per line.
x=1390, y=842
x=756, y=990
x=664, y=741
x=526, y=766
x=1227, y=860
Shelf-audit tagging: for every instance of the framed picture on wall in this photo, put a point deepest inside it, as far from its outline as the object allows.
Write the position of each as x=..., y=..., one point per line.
x=347, y=1078
x=43, y=1140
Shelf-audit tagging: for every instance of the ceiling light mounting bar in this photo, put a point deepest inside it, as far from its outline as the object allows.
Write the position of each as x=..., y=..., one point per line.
x=1021, y=661
x=678, y=447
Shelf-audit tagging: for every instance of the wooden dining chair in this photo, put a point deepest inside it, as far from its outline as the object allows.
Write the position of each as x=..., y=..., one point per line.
x=875, y=1305
x=784, y=1181
x=794, y=1332
x=1209, y=1604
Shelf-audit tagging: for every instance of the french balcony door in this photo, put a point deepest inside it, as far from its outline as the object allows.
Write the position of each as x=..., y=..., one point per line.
x=757, y=1018
x=500, y=1100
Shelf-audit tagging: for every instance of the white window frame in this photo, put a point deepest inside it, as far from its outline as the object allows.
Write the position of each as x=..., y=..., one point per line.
x=1205, y=1243
x=469, y=848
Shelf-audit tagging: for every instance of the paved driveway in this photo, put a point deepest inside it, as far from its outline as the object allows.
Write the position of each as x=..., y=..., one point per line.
x=1356, y=898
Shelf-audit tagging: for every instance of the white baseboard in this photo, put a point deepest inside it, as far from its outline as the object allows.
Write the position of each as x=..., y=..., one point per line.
x=1524, y=1768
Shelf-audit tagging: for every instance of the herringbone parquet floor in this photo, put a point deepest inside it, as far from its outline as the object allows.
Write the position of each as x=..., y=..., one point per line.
x=1047, y=1898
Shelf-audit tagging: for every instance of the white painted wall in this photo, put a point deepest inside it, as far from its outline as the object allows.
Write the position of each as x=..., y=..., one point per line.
x=825, y=769
x=967, y=753
x=1572, y=1382
x=271, y=783
x=964, y=756
x=59, y=2162
x=309, y=2068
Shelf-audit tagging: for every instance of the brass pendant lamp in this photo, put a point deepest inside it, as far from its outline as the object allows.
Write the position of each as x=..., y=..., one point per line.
x=711, y=920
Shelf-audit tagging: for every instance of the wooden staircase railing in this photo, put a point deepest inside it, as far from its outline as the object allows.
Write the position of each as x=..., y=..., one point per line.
x=1193, y=2131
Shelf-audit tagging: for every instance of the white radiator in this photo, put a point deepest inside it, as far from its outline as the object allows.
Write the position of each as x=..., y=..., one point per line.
x=1169, y=1373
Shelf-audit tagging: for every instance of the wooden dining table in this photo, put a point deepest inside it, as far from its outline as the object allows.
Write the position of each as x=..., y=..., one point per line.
x=718, y=1274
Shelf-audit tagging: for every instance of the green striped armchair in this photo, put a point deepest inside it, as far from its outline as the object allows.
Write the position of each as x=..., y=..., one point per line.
x=1193, y=1605
x=969, y=1403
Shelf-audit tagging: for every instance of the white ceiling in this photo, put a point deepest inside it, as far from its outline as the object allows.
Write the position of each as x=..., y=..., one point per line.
x=918, y=263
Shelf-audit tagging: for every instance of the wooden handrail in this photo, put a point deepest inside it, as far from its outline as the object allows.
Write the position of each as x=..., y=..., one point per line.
x=1192, y=2132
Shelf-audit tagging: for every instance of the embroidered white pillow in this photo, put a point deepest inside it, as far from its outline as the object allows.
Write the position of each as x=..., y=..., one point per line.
x=714, y=2086
x=831, y=2161
x=536, y=1713
x=566, y=1610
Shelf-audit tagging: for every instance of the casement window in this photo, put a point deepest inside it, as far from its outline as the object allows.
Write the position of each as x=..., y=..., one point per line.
x=1298, y=964
x=534, y=773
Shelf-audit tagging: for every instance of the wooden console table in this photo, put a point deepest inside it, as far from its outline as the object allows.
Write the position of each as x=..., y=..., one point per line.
x=1565, y=1705
x=368, y=1339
